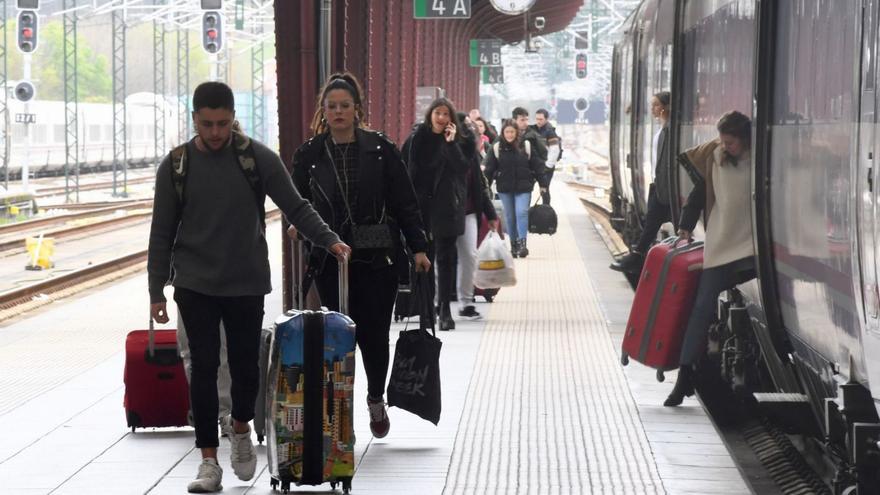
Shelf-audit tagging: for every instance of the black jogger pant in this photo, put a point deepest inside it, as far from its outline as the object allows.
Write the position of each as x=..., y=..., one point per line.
x=657, y=215
x=371, y=299
x=243, y=319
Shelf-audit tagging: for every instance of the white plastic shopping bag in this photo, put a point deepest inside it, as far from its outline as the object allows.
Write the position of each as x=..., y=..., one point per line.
x=494, y=264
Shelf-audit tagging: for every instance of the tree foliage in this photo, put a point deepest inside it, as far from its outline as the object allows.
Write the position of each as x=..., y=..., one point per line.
x=94, y=83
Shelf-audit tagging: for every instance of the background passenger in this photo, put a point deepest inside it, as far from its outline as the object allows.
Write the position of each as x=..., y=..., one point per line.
x=355, y=179
x=514, y=171
x=478, y=202
x=658, y=194
x=554, y=149
x=438, y=158
x=723, y=190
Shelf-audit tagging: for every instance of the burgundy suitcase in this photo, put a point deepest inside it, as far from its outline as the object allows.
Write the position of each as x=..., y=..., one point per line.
x=156, y=392
x=662, y=305
x=482, y=232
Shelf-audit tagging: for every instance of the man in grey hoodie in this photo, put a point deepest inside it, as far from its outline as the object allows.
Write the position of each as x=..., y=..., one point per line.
x=208, y=240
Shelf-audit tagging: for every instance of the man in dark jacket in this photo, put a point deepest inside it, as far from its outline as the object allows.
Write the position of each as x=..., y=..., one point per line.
x=547, y=132
x=210, y=236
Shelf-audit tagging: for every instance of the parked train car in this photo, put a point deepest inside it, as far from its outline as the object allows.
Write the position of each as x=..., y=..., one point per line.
x=805, y=71
x=47, y=150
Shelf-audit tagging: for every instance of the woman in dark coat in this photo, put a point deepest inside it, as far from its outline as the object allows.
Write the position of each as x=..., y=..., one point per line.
x=437, y=156
x=356, y=180
x=514, y=168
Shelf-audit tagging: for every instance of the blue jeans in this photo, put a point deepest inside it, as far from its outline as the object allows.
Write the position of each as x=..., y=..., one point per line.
x=713, y=281
x=516, y=213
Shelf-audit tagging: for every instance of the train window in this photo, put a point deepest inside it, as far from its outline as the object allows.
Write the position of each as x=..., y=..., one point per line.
x=94, y=132
x=39, y=133
x=59, y=133
x=108, y=132
x=18, y=132
x=870, y=50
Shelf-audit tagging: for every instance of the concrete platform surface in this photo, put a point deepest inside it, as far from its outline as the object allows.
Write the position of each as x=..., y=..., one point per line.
x=534, y=398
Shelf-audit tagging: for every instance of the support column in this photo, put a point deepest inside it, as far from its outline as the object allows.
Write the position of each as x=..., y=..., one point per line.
x=159, y=100
x=120, y=138
x=4, y=103
x=258, y=93
x=71, y=104
x=183, y=121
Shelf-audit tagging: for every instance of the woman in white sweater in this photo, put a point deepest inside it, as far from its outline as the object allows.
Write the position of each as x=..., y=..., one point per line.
x=721, y=170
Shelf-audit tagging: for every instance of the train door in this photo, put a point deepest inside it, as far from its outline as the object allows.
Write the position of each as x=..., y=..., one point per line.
x=866, y=195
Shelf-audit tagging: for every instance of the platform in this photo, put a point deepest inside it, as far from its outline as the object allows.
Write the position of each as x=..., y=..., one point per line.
x=534, y=398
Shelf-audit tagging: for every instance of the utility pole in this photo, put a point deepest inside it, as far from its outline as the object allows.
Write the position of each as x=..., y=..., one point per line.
x=183, y=83
x=258, y=94
x=159, y=101
x=25, y=162
x=120, y=138
x=4, y=100
x=71, y=101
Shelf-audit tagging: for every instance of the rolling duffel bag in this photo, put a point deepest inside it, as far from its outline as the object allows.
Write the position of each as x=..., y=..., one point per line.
x=542, y=219
x=662, y=304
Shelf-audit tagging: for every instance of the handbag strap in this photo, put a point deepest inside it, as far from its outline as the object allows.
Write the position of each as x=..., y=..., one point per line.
x=423, y=301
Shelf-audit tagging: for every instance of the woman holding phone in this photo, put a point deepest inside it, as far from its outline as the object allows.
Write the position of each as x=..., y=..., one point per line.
x=438, y=156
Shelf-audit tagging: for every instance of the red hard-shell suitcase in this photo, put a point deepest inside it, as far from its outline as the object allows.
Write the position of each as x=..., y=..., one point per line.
x=662, y=305
x=156, y=392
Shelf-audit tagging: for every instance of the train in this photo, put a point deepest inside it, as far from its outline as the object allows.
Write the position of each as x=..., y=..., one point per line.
x=46, y=150
x=802, y=340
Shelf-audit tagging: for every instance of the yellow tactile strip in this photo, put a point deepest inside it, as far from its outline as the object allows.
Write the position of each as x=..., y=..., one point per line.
x=548, y=409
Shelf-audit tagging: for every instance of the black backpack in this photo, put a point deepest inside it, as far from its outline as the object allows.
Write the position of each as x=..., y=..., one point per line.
x=542, y=219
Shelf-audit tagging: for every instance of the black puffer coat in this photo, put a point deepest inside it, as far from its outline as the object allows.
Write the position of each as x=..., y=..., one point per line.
x=383, y=185
x=439, y=179
x=512, y=169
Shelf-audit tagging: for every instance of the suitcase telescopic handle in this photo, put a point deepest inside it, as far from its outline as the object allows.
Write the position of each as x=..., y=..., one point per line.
x=298, y=258
x=151, y=338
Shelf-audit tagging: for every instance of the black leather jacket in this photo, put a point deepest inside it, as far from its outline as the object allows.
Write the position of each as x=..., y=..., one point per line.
x=383, y=184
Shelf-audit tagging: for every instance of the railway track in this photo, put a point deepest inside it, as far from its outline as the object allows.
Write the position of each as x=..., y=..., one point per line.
x=98, y=209
x=17, y=244
x=47, y=192
x=772, y=465
x=21, y=299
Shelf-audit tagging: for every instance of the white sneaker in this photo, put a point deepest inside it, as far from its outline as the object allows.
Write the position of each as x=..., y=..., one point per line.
x=226, y=425
x=243, y=456
x=208, y=479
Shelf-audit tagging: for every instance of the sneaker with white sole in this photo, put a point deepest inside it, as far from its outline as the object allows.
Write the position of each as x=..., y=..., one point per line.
x=243, y=456
x=379, y=422
x=226, y=425
x=209, y=478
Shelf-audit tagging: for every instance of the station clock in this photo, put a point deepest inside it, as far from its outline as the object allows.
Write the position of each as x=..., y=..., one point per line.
x=512, y=7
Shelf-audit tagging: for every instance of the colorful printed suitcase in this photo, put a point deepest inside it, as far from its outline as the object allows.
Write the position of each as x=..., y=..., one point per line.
x=662, y=305
x=310, y=427
x=156, y=392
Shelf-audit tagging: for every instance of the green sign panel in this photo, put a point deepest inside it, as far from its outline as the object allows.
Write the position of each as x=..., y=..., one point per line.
x=485, y=53
x=493, y=75
x=442, y=9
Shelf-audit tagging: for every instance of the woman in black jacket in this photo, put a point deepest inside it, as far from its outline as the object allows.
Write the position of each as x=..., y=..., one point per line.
x=514, y=167
x=357, y=182
x=437, y=155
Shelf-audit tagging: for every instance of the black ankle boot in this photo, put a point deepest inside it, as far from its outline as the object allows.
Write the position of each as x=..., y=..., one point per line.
x=684, y=387
x=446, y=321
x=514, y=247
x=523, y=248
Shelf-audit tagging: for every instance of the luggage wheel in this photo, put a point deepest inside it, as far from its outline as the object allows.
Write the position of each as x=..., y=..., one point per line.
x=489, y=298
x=660, y=376
x=346, y=486
x=260, y=439
x=624, y=359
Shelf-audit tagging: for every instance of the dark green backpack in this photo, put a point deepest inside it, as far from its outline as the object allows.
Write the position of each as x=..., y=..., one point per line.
x=244, y=151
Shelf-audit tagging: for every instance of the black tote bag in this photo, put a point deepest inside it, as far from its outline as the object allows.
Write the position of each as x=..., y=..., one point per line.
x=415, y=374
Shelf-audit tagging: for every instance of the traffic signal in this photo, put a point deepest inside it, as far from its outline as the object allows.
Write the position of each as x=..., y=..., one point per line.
x=580, y=65
x=27, y=31
x=212, y=32
x=24, y=91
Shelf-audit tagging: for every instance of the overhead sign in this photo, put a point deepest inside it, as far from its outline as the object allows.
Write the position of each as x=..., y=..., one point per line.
x=485, y=53
x=442, y=9
x=493, y=75
x=512, y=7
x=25, y=118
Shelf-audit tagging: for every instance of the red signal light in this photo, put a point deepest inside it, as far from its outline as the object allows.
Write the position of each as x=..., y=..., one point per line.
x=27, y=33
x=212, y=34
